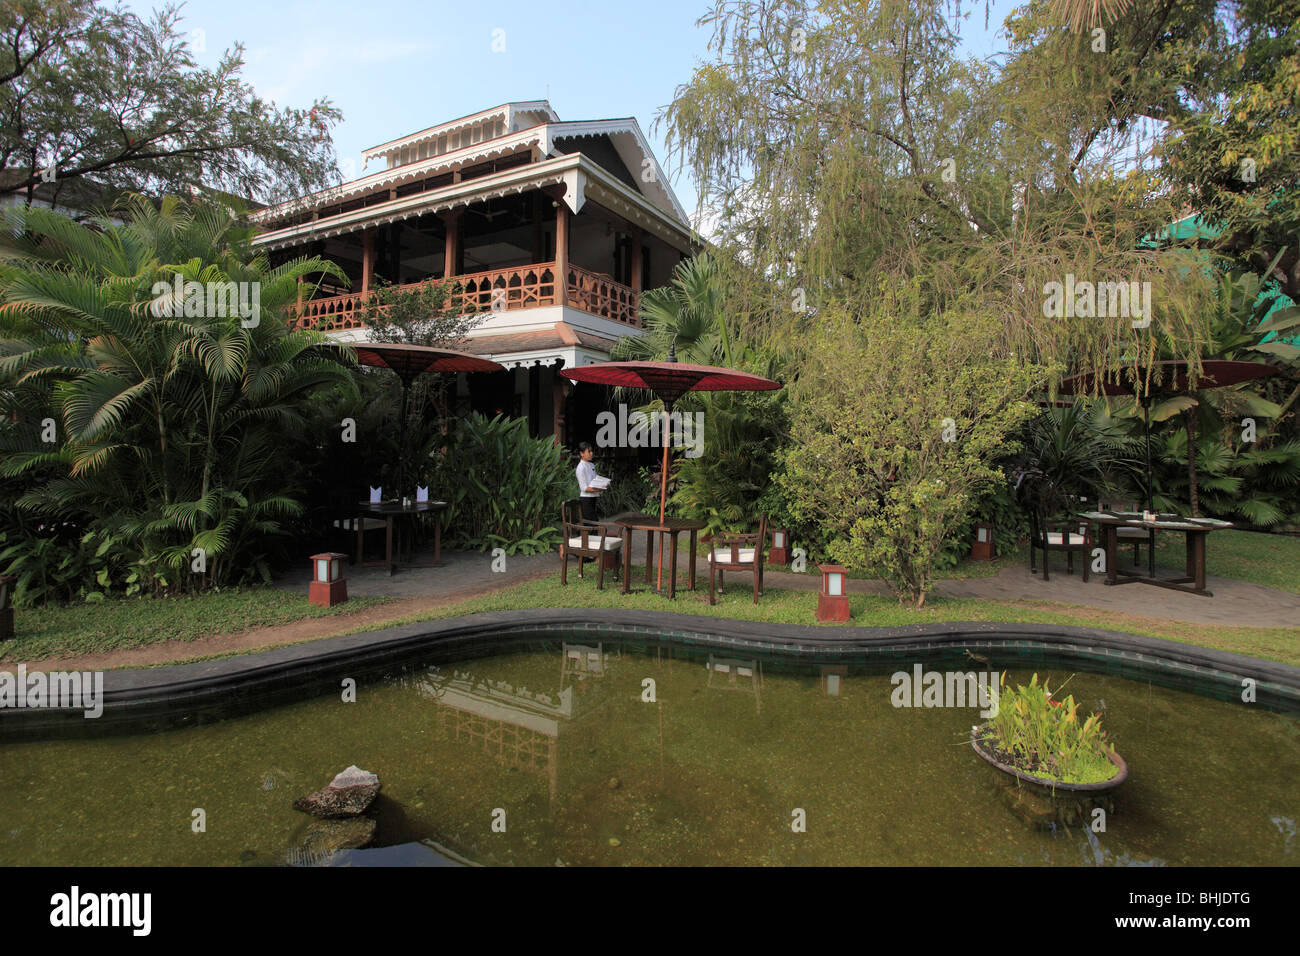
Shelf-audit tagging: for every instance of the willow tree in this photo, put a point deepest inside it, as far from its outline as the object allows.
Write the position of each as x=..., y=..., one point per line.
x=840, y=144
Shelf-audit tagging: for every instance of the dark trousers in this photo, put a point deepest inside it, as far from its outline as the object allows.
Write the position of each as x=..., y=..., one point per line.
x=588, y=506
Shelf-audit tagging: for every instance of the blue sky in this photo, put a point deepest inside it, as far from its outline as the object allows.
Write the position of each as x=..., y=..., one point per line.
x=397, y=67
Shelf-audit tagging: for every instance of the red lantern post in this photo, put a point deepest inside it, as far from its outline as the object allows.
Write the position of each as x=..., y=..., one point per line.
x=833, y=601
x=328, y=586
x=780, y=553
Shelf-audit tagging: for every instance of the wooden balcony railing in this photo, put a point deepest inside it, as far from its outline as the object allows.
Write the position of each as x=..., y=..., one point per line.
x=601, y=295
x=520, y=287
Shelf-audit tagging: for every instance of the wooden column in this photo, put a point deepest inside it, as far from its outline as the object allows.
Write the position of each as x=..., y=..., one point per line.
x=560, y=389
x=538, y=249
x=636, y=259
x=451, y=246
x=562, y=253
x=367, y=260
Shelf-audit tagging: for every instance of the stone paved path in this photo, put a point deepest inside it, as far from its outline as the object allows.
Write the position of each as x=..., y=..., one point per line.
x=464, y=575
x=1235, y=603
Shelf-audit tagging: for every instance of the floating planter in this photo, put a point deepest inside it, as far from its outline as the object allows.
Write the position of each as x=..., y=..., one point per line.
x=1052, y=767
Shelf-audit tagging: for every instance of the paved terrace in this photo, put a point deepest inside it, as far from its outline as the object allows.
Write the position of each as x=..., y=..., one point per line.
x=1234, y=603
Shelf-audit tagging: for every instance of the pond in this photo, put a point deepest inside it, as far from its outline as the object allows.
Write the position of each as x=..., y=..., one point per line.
x=558, y=745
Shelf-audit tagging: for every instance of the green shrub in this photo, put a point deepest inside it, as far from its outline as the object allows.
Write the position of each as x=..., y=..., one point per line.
x=1045, y=737
x=503, y=488
x=897, y=432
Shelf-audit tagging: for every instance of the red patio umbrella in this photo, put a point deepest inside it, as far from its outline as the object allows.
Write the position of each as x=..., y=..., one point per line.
x=411, y=361
x=669, y=381
x=1168, y=377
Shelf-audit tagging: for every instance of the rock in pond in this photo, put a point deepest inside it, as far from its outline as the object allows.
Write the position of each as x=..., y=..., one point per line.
x=348, y=795
x=329, y=836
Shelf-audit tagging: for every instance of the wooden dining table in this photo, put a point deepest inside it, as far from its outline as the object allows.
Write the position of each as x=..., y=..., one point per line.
x=389, y=511
x=1196, y=531
x=652, y=526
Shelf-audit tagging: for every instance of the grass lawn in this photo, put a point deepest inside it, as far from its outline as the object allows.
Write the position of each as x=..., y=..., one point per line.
x=1271, y=560
x=136, y=622
x=799, y=607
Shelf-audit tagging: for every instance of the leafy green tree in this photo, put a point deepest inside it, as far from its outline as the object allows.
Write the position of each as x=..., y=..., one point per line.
x=170, y=412
x=896, y=430
x=89, y=90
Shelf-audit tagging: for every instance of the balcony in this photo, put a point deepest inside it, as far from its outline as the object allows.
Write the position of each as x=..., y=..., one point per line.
x=521, y=287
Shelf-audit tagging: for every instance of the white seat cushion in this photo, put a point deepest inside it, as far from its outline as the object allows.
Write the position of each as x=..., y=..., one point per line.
x=596, y=541
x=1054, y=537
x=723, y=555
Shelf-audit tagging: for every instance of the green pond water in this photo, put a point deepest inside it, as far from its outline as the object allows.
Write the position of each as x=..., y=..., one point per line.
x=588, y=773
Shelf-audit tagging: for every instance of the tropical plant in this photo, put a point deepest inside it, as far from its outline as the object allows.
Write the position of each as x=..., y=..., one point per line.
x=689, y=318
x=1075, y=451
x=1044, y=737
x=171, y=413
x=503, y=488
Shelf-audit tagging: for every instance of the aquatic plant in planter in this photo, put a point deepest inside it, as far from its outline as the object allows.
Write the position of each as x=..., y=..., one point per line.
x=1042, y=740
x=1051, y=767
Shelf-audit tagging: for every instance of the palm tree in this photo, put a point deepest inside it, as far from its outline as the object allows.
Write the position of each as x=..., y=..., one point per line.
x=168, y=421
x=688, y=317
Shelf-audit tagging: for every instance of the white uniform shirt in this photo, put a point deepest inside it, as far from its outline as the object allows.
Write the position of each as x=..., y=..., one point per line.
x=586, y=475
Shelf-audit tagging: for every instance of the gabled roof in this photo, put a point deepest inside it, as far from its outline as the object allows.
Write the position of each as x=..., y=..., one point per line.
x=513, y=116
x=505, y=129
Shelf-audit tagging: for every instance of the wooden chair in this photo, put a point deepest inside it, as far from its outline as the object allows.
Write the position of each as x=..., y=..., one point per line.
x=1068, y=535
x=585, y=539
x=1134, y=536
x=738, y=552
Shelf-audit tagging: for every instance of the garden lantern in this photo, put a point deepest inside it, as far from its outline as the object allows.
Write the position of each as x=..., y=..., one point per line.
x=328, y=587
x=780, y=553
x=982, y=549
x=6, y=610
x=833, y=601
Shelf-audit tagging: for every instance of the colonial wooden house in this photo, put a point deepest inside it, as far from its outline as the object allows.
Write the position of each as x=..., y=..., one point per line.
x=554, y=227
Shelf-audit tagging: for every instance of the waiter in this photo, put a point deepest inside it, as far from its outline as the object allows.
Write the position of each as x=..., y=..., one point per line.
x=587, y=493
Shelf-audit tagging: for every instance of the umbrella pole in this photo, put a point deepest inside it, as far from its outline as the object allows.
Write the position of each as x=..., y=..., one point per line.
x=1151, y=506
x=401, y=439
x=663, y=496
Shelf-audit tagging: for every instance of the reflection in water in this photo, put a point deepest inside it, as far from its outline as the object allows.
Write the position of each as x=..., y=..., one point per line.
x=516, y=727
x=744, y=676
x=609, y=753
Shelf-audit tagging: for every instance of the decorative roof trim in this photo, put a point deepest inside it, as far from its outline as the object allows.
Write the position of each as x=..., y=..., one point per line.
x=505, y=111
x=399, y=175
x=542, y=136
x=598, y=184
x=627, y=125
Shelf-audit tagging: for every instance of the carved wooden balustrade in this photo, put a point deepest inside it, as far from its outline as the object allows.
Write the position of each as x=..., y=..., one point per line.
x=519, y=287
x=601, y=295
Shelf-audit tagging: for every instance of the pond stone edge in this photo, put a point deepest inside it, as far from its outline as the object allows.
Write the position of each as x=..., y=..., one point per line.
x=179, y=694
